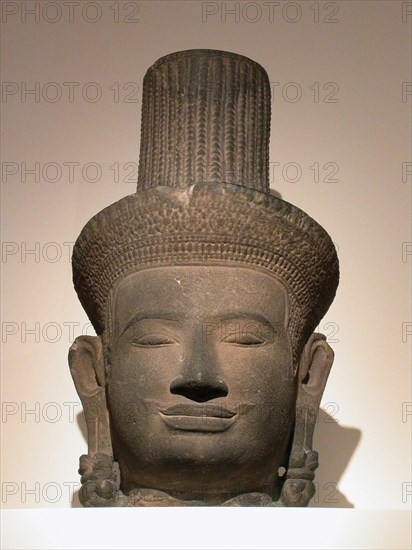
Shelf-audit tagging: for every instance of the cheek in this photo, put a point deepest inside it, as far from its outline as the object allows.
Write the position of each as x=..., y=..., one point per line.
x=273, y=394
x=263, y=373
x=137, y=378
x=137, y=371
x=264, y=378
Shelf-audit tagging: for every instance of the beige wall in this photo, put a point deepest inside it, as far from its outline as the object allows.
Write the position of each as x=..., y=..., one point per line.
x=338, y=98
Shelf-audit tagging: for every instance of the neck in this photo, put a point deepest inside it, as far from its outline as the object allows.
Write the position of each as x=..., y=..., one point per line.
x=208, y=485
x=204, y=496
x=100, y=488
x=153, y=497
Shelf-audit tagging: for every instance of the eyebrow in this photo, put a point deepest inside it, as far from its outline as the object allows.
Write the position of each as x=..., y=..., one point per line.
x=235, y=316
x=239, y=315
x=149, y=315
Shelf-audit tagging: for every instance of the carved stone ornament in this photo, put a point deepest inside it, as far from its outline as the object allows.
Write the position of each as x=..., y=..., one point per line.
x=203, y=384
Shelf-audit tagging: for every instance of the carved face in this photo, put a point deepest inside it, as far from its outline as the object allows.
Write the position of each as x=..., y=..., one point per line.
x=201, y=389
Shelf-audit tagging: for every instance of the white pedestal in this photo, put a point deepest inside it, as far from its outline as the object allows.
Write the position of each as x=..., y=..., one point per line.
x=206, y=528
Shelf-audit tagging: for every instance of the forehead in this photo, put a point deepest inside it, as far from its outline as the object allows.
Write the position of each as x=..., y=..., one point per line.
x=200, y=292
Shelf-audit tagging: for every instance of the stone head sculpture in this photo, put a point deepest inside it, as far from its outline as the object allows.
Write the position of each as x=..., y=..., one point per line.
x=204, y=380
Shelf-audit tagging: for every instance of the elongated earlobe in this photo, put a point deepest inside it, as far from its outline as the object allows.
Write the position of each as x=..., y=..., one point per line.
x=87, y=369
x=316, y=362
x=99, y=483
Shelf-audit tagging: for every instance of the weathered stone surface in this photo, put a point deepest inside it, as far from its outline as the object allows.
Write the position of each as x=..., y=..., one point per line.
x=205, y=377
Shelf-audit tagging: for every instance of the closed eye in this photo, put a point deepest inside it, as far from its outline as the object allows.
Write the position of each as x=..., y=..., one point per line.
x=243, y=340
x=153, y=340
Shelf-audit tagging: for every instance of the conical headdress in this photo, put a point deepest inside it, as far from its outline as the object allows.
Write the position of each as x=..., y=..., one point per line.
x=203, y=193
x=205, y=118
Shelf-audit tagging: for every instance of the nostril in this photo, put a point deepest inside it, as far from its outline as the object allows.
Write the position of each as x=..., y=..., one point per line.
x=199, y=391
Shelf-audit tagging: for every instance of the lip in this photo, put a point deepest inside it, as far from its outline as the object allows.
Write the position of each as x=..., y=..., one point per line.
x=198, y=418
x=210, y=410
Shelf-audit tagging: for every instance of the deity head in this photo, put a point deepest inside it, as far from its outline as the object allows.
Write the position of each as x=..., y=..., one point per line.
x=204, y=381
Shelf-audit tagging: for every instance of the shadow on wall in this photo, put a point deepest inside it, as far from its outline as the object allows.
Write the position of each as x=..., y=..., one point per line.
x=335, y=445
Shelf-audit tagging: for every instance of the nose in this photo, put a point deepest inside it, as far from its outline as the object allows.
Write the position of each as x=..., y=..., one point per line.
x=199, y=390
x=199, y=378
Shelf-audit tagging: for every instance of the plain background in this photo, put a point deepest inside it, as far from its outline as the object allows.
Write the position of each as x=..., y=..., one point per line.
x=339, y=150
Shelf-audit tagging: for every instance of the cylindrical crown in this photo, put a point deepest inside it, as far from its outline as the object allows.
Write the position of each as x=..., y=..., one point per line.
x=205, y=118
x=203, y=194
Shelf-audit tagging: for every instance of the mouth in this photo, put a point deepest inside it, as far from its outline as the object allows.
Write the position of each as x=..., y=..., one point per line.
x=198, y=418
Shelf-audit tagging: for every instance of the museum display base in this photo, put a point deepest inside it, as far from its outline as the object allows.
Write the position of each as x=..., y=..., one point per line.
x=205, y=528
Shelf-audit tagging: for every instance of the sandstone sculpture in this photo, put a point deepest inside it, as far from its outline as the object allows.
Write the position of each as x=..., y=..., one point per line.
x=204, y=380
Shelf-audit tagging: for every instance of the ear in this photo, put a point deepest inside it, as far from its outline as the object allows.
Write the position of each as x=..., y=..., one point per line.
x=86, y=364
x=315, y=364
x=316, y=360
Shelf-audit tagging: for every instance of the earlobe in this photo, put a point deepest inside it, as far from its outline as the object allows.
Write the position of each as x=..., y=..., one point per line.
x=86, y=364
x=316, y=362
x=99, y=480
